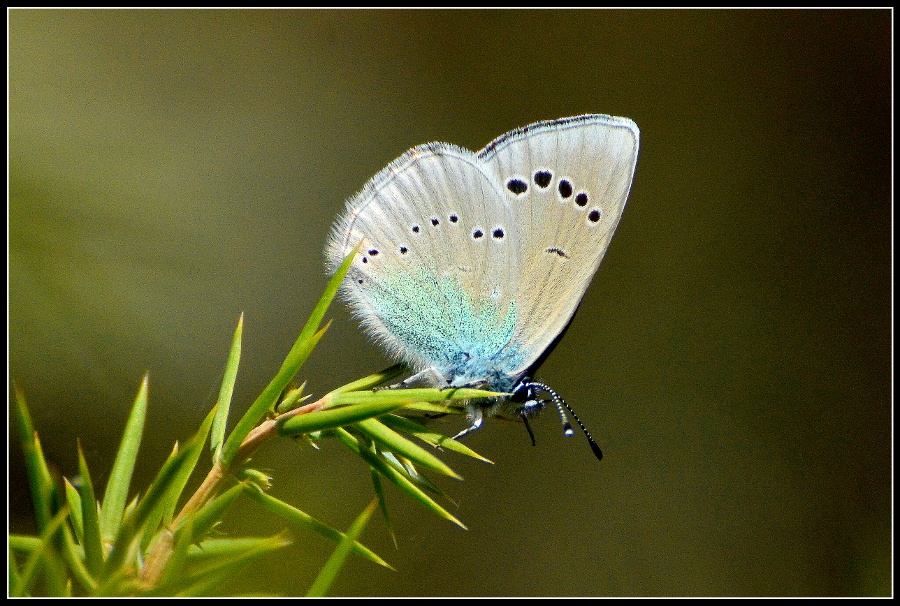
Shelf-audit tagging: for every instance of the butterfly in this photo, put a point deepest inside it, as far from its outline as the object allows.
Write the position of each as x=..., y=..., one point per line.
x=472, y=264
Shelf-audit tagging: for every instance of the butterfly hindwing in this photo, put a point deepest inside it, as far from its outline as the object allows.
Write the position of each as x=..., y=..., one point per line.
x=432, y=279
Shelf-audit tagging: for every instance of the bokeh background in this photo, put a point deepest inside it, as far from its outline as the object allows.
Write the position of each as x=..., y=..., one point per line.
x=169, y=170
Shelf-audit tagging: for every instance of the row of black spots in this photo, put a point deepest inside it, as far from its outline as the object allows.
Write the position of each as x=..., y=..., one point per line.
x=581, y=199
x=566, y=191
x=498, y=233
x=453, y=218
x=372, y=252
x=542, y=179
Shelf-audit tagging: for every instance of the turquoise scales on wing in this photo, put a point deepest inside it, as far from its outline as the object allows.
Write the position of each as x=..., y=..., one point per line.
x=437, y=320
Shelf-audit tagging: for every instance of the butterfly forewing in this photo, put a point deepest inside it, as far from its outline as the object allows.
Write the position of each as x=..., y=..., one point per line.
x=567, y=182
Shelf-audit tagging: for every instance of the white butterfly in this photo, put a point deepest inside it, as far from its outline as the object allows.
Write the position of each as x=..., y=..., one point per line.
x=473, y=264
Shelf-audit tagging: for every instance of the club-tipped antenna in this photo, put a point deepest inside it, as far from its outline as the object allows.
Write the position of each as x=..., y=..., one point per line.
x=562, y=407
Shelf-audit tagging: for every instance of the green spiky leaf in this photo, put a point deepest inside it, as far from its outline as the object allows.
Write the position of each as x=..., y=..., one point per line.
x=393, y=441
x=147, y=509
x=303, y=346
x=39, y=480
x=407, y=396
x=208, y=515
x=195, y=449
x=217, y=438
x=90, y=517
x=230, y=556
x=336, y=561
x=301, y=519
x=120, y=477
x=373, y=380
x=429, y=436
x=73, y=500
x=399, y=479
x=336, y=417
x=43, y=559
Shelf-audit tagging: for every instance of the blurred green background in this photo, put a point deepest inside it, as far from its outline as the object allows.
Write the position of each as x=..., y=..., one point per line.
x=169, y=170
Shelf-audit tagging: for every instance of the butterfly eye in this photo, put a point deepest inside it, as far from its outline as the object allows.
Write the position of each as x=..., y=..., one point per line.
x=581, y=199
x=565, y=188
x=415, y=229
x=435, y=222
x=454, y=218
x=477, y=234
x=403, y=250
x=498, y=233
x=594, y=215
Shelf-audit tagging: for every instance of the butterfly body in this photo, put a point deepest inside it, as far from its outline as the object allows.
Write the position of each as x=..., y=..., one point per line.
x=472, y=263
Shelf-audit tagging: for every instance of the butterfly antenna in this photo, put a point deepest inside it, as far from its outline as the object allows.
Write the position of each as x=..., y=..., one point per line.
x=562, y=407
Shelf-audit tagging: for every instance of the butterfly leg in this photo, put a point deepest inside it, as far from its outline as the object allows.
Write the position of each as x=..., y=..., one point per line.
x=476, y=418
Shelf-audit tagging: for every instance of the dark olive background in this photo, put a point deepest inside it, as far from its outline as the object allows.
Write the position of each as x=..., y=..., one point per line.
x=170, y=170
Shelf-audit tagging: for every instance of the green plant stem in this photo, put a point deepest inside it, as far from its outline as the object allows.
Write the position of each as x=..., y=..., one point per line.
x=162, y=550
